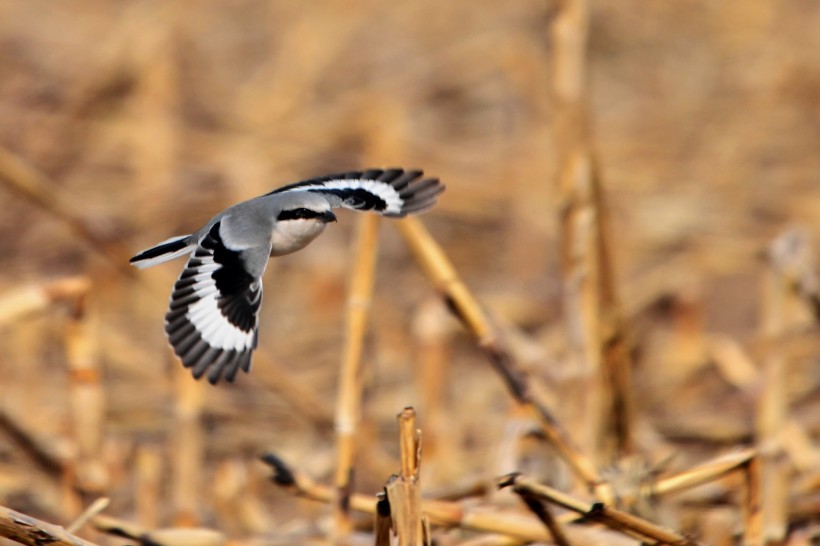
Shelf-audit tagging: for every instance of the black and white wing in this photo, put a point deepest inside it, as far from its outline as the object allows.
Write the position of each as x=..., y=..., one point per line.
x=213, y=316
x=390, y=192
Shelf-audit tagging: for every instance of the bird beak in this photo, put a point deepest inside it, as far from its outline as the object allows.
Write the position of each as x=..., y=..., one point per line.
x=327, y=217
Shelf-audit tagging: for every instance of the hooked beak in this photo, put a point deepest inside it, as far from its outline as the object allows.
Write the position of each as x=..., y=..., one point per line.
x=327, y=217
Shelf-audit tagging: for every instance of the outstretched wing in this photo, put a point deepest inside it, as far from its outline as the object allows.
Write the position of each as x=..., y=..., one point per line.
x=391, y=192
x=213, y=316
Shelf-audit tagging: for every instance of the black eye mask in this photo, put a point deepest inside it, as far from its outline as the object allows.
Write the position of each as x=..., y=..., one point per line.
x=297, y=214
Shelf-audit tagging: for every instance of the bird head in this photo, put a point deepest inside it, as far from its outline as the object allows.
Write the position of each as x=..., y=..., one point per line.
x=299, y=221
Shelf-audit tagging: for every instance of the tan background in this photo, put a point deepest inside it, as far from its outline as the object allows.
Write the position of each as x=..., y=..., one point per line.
x=149, y=117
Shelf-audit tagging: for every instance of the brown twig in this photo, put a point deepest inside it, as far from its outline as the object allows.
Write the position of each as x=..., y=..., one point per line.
x=34, y=532
x=438, y=267
x=615, y=519
x=348, y=403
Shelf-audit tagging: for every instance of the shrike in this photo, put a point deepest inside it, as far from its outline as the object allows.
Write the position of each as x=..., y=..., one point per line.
x=213, y=318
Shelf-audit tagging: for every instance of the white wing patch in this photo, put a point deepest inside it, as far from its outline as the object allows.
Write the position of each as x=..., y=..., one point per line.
x=385, y=192
x=213, y=326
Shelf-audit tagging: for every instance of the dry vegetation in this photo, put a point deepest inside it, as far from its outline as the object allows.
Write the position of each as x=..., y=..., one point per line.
x=625, y=246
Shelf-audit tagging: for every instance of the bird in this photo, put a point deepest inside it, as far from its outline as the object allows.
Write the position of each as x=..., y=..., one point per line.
x=212, y=322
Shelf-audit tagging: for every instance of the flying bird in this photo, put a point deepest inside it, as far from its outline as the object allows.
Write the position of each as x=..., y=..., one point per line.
x=212, y=321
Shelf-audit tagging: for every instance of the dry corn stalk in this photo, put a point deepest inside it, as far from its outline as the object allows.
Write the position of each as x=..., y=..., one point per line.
x=597, y=331
x=348, y=403
x=779, y=316
x=404, y=491
x=436, y=264
x=704, y=473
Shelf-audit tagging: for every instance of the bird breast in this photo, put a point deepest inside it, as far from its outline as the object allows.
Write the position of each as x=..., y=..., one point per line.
x=294, y=235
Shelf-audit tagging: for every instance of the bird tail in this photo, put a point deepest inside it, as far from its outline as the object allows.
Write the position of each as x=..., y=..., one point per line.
x=166, y=250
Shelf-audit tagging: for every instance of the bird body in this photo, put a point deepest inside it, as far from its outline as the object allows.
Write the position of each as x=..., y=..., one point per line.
x=212, y=319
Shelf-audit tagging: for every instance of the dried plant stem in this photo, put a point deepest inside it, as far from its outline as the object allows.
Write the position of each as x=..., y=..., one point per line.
x=95, y=508
x=404, y=491
x=704, y=473
x=34, y=532
x=450, y=514
x=441, y=271
x=597, y=330
x=615, y=519
x=348, y=403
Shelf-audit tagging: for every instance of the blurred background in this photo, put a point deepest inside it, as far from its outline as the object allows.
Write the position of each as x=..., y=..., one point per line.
x=123, y=123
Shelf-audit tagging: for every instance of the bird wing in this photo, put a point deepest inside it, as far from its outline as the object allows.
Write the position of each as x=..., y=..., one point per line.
x=390, y=192
x=213, y=316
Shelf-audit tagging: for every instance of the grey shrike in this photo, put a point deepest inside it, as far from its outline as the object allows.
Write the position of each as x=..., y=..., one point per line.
x=213, y=318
